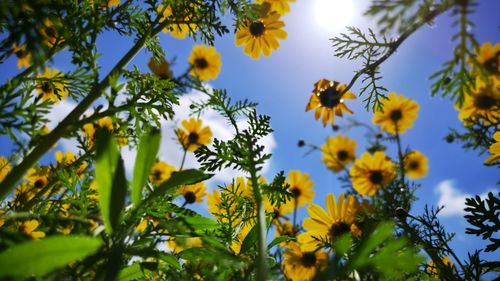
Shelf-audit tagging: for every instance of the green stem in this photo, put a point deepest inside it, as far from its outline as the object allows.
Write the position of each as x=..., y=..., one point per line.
x=261, y=227
x=183, y=160
x=295, y=207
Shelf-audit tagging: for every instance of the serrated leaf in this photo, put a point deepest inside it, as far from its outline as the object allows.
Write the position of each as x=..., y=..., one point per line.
x=39, y=257
x=110, y=178
x=146, y=155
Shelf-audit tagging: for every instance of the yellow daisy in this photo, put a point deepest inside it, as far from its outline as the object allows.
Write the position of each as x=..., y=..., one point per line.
x=65, y=159
x=494, y=150
x=483, y=103
x=222, y=213
x=328, y=225
x=28, y=228
x=23, y=57
x=5, y=168
x=51, y=90
x=161, y=68
x=22, y=194
x=397, y=114
x=302, y=264
x=180, y=30
x=113, y=3
x=433, y=271
x=178, y=244
x=338, y=152
x=241, y=235
x=372, y=172
x=205, y=62
x=193, y=135
x=2, y=220
x=281, y=7
x=193, y=193
x=300, y=187
x=261, y=36
x=489, y=57
x=327, y=100
x=50, y=33
x=38, y=178
x=416, y=165
x=106, y=123
x=160, y=172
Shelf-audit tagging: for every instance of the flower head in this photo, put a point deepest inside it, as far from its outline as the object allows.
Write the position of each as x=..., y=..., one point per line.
x=372, y=172
x=281, y=7
x=397, y=114
x=65, y=159
x=50, y=33
x=327, y=100
x=160, y=68
x=301, y=263
x=178, y=30
x=338, y=152
x=38, y=178
x=193, y=193
x=489, y=57
x=433, y=270
x=482, y=103
x=329, y=225
x=241, y=235
x=261, y=35
x=205, y=62
x=49, y=88
x=300, y=187
x=416, y=165
x=5, y=168
x=29, y=227
x=160, y=172
x=494, y=150
x=23, y=57
x=193, y=135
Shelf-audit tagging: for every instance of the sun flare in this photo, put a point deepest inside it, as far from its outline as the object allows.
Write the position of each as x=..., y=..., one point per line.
x=334, y=14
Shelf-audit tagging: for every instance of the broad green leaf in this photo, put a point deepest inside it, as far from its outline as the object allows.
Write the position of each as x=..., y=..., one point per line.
x=278, y=240
x=146, y=155
x=171, y=260
x=39, y=257
x=200, y=223
x=250, y=240
x=184, y=177
x=136, y=271
x=111, y=181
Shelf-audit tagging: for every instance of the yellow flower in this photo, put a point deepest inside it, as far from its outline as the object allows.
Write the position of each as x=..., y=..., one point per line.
x=284, y=229
x=23, y=57
x=372, y=172
x=113, y=3
x=65, y=159
x=416, y=165
x=180, y=30
x=178, y=244
x=240, y=237
x=2, y=220
x=38, y=178
x=494, y=150
x=302, y=264
x=433, y=270
x=281, y=7
x=489, y=57
x=5, y=168
x=338, y=152
x=193, y=193
x=205, y=62
x=51, y=90
x=397, y=114
x=483, y=103
x=239, y=187
x=261, y=36
x=106, y=123
x=161, y=68
x=23, y=194
x=300, y=187
x=160, y=172
x=50, y=33
x=193, y=135
x=328, y=225
x=327, y=100
x=28, y=228
x=285, y=208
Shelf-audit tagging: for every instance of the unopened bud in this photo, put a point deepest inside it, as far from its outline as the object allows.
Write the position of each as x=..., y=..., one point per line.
x=301, y=143
x=401, y=213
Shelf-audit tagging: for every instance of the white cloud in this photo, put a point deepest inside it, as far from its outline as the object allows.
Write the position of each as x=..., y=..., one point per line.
x=452, y=198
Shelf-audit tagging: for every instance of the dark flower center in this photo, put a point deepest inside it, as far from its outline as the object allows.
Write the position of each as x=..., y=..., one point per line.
x=338, y=229
x=295, y=192
x=193, y=138
x=257, y=28
x=330, y=97
x=157, y=175
x=342, y=155
x=190, y=197
x=47, y=87
x=413, y=165
x=484, y=101
x=396, y=115
x=39, y=183
x=376, y=177
x=50, y=31
x=491, y=65
x=200, y=63
x=308, y=259
x=21, y=53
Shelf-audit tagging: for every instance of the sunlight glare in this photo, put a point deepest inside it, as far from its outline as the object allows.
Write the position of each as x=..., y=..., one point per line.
x=334, y=14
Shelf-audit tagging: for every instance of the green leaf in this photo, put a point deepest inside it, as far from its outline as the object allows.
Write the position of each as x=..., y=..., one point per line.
x=136, y=271
x=171, y=260
x=184, y=177
x=201, y=223
x=111, y=181
x=250, y=240
x=146, y=155
x=39, y=257
x=278, y=240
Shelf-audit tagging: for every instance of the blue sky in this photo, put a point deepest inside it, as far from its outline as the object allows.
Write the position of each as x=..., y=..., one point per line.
x=282, y=85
